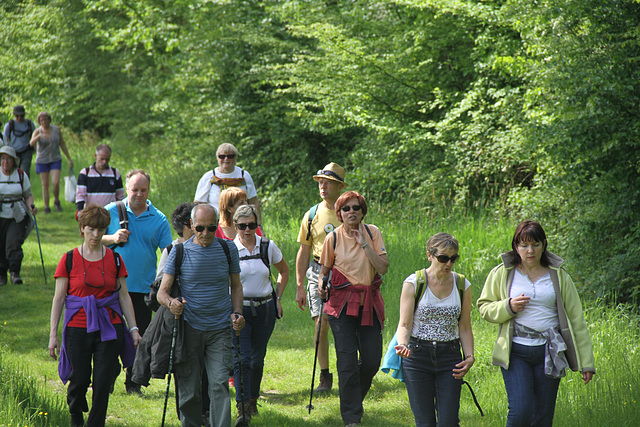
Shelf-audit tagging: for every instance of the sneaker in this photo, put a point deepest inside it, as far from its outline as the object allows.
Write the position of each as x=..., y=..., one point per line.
x=326, y=382
x=77, y=420
x=15, y=278
x=57, y=205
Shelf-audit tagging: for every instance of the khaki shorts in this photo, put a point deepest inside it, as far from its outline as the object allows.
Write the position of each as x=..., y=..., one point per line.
x=315, y=303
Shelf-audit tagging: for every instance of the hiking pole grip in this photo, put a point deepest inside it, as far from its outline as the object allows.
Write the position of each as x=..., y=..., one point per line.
x=325, y=282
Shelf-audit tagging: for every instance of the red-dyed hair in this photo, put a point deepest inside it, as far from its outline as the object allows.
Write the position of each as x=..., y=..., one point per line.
x=345, y=197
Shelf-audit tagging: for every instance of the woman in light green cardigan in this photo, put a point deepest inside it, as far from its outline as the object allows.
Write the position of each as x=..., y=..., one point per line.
x=541, y=326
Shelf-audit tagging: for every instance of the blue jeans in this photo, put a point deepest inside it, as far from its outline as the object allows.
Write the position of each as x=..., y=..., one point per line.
x=212, y=350
x=358, y=354
x=531, y=394
x=428, y=375
x=83, y=348
x=254, y=338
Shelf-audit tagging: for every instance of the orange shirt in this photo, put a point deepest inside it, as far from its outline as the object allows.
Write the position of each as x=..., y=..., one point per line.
x=349, y=258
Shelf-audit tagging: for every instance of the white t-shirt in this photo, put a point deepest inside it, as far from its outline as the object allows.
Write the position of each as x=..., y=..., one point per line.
x=541, y=312
x=436, y=319
x=254, y=275
x=206, y=192
x=10, y=189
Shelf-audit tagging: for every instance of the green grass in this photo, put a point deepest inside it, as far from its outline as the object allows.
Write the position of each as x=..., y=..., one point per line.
x=31, y=393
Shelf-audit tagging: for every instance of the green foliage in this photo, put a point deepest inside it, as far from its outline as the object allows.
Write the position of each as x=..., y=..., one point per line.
x=442, y=107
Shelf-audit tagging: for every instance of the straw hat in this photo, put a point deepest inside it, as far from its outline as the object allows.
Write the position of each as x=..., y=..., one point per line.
x=332, y=171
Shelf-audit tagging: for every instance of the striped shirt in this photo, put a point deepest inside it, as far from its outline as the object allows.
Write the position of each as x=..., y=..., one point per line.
x=99, y=188
x=204, y=282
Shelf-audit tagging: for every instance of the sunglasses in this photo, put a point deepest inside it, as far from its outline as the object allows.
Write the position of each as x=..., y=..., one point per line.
x=445, y=259
x=251, y=225
x=331, y=174
x=355, y=208
x=211, y=228
x=226, y=156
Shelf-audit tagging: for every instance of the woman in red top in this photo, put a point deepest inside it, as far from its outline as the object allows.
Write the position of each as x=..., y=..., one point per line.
x=355, y=254
x=93, y=290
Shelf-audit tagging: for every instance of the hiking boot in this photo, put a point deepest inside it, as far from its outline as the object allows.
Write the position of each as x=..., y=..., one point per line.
x=15, y=278
x=253, y=407
x=57, y=205
x=244, y=416
x=133, y=389
x=47, y=210
x=77, y=420
x=326, y=382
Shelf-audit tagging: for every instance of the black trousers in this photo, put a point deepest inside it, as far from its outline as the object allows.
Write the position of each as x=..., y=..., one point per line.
x=84, y=348
x=12, y=235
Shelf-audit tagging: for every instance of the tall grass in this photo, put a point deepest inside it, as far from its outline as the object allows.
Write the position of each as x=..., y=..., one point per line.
x=610, y=399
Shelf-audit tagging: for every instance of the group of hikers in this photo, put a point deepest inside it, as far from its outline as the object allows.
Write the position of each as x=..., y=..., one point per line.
x=217, y=308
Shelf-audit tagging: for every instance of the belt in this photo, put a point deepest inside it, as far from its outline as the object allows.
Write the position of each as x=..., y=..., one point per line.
x=433, y=343
x=256, y=302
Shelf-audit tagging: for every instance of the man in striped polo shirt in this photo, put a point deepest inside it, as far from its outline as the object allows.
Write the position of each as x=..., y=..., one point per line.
x=99, y=183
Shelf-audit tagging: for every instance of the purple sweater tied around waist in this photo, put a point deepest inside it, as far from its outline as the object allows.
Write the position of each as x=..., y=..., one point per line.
x=97, y=320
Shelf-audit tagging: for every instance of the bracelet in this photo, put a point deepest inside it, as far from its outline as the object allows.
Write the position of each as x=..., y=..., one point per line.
x=135, y=328
x=470, y=356
x=279, y=298
x=235, y=312
x=365, y=245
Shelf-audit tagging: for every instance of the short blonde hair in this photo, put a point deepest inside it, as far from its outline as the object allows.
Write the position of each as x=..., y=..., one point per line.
x=226, y=148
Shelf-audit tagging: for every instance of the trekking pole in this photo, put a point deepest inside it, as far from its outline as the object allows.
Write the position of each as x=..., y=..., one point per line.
x=244, y=415
x=171, y=353
x=325, y=279
x=39, y=246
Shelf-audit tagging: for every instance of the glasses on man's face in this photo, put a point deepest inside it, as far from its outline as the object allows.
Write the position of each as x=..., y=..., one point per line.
x=19, y=116
x=211, y=228
x=355, y=208
x=226, y=156
x=445, y=259
x=251, y=225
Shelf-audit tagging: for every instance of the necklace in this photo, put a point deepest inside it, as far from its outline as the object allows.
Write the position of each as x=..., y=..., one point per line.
x=85, y=270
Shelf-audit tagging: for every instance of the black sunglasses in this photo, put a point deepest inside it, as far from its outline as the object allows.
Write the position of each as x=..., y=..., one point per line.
x=356, y=208
x=226, y=156
x=251, y=225
x=331, y=174
x=445, y=259
x=212, y=228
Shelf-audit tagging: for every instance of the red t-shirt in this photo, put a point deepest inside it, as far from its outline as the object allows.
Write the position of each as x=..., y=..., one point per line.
x=97, y=284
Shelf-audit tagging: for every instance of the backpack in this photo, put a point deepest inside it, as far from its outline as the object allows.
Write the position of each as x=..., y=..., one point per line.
x=122, y=217
x=264, y=256
x=151, y=299
x=19, y=133
x=421, y=278
x=312, y=214
x=116, y=256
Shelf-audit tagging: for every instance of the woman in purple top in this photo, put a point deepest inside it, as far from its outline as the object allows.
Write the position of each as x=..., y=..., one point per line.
x=91, y=286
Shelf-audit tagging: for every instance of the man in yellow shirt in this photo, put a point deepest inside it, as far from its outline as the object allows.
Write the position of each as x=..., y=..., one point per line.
x=318, y=221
